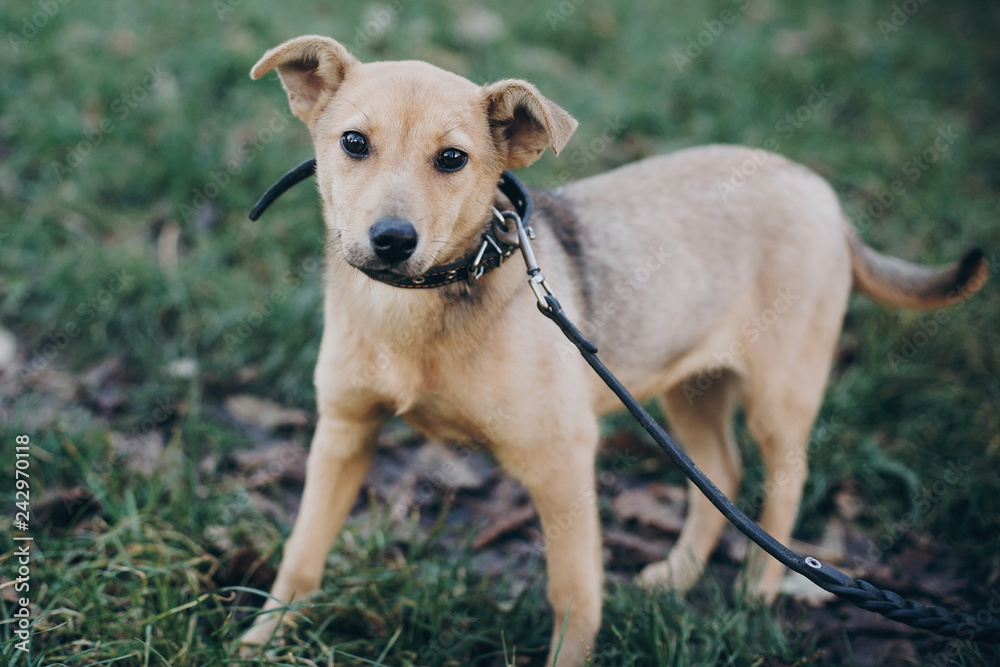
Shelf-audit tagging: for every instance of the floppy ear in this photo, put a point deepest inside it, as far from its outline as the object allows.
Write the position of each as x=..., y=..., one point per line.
x=311, y=69
x=524, y=122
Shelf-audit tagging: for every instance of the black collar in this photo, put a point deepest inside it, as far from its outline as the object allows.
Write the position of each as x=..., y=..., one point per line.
x=488, y=255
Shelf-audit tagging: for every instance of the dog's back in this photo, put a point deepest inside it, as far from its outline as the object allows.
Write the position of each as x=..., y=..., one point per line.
x=683, y=256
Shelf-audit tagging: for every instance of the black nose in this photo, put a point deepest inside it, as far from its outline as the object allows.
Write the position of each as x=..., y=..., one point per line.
x=393, y=239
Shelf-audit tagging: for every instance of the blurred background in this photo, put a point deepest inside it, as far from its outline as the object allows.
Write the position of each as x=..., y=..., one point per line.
x=157, y=346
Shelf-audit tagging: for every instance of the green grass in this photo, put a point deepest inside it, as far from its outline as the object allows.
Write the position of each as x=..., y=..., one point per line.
x=118, y=125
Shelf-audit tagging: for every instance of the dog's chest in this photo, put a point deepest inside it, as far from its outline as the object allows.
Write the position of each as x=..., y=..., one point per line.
x=426, y=392
x=441, y=418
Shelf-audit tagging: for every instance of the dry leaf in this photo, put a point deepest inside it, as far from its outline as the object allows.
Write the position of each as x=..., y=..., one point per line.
x=7, y=592
x=140, y=451
x=849, y=505
x=8, y=348
x=60, y=506
x=644, y=505
x=504, y=523
x=285, y=461
x=637, y=549
x=268, y=507
x=442, y=466
x=263, y=413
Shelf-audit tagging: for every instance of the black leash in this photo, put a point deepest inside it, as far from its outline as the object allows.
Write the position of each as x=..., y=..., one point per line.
x=300, y=173
x=860, y=592
x=827, y=577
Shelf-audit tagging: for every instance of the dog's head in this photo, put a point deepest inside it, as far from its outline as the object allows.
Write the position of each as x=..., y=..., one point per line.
x=408, y=154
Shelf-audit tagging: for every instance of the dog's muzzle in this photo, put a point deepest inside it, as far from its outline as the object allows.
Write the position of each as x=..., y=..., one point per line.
x=394, y=243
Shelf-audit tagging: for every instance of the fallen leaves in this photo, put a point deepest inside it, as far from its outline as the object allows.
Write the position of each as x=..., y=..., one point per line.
x=263, y=413
x=634, y=551
x=140, y=451
x=660, y=506
x=503, y=524
x=60, y=507
x=280, y=462
x=102, y=383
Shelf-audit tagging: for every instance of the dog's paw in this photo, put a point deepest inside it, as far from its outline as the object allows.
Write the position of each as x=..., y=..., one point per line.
x=258, y=635
x=756, y=588
x=268, y=630
x=796, y=586
x=269, y=652
x=672, y=574
x=248, y=651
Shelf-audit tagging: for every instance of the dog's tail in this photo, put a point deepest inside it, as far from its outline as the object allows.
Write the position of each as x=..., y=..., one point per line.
x=899, y=283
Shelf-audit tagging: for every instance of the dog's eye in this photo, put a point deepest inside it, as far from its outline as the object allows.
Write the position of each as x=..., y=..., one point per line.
x=451, y=159
x=354, y=144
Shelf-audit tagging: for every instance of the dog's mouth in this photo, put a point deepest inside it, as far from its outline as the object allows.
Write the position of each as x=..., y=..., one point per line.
x=382, y=272
x=383, y=275
x=361, y=257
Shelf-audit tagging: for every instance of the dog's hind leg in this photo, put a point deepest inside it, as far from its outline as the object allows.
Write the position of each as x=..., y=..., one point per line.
x=702, y=420
x=340, y=456
x=781, y=405
x=786, y=378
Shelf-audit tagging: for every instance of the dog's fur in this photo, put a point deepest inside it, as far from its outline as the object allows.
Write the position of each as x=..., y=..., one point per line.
x=698, y=299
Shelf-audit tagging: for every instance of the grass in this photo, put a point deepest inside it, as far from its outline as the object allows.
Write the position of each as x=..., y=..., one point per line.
x=124, y=126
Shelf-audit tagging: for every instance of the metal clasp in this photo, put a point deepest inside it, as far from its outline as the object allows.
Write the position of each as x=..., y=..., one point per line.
x=535, y=280
x=505, y=231
x=477, y=268
x=541, y=289
x=501, y=230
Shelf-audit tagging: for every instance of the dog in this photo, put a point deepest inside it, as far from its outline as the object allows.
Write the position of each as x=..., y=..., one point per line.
x=700, y=296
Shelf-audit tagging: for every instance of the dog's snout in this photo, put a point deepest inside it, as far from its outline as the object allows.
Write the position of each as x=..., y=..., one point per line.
x=394, y=240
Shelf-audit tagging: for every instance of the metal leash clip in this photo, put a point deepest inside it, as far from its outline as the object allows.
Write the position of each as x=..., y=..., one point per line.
x=524, y=236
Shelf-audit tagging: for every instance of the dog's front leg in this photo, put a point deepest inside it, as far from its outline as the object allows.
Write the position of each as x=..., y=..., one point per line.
x=340, y=455
x=558, y=471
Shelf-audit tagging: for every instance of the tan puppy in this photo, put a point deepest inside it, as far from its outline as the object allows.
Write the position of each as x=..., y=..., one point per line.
x=700, y=299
